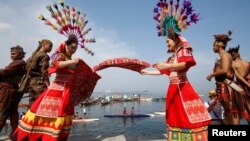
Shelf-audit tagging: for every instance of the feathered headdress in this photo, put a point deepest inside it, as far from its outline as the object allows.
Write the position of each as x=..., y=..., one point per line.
x=234, y=49
x=69, y=21
x=170, y=15
x=223, y=37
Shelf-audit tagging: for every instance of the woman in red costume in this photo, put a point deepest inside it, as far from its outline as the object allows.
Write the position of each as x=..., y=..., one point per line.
x=185, y=112
x=186, y=116
x=50, y=117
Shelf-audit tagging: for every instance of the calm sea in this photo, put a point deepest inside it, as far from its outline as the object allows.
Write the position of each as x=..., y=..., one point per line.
x=150, y=127
x=109, y=127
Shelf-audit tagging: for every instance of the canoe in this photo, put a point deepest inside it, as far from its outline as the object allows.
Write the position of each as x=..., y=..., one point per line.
x=135, y=115
x=160, y=113
x=85, y=120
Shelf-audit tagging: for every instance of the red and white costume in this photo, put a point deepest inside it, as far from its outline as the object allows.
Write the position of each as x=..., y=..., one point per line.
x=185, y=111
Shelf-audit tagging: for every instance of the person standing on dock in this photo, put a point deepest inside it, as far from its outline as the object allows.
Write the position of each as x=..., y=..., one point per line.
x=242, y=72
x=10, y=76
x=186, y=115
x=38, y=65
x=132, y=110
x=229, y=92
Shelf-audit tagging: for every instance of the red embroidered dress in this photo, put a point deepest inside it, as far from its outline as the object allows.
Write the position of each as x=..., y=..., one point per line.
x=50, y=117
x=186, y=115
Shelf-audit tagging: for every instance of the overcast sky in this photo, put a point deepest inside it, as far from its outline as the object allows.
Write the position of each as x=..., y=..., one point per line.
x=125, y=28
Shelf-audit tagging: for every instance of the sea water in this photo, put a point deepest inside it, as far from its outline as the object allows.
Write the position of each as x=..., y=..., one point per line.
x=131, y=128
x=108, y=127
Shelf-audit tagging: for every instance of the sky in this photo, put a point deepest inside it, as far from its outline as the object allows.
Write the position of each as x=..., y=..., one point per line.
x=125, y=28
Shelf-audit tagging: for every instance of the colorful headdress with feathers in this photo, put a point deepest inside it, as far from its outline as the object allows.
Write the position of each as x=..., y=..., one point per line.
x=234, y=49
x=69, y=21
x=170, y=15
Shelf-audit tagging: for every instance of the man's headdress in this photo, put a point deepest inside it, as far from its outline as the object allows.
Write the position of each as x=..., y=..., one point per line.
x=69, y=21
x=223, y=37
x=234, y=49
x=170, y=16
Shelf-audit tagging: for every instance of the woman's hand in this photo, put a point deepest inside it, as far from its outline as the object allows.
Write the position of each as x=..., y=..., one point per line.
x=75, y=60
x=144, y=72
x=69, y=63
x=162, y=66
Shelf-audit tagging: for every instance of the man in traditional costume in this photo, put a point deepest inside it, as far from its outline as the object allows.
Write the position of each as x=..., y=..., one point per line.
x=38, y=65
x=186, y=116
x=226, y=89
x=242, y=72
x=50, y=116
x=10, y=76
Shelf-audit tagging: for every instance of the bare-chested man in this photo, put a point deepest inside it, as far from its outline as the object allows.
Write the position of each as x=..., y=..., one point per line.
x=242, y=72
x=223, y=74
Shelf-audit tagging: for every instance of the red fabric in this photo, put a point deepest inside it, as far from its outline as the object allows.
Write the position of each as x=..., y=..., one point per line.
x=185, y=43
x=56, y=57
x=53, y=69
x=83, y=83
x=176, y=116
x=127, y=63
x=185, y=55
x=61, y=48
x=184, y=108
x=70, y=87
x=165, y=71
x=21, y=135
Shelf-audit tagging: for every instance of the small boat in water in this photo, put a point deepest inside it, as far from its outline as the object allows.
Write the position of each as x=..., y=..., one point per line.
x=160, y=113
x=134, y=115
x=105, y=102
x=85, y=120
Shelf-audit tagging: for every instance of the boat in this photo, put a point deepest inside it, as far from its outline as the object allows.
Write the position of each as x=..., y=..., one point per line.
x=146, y=99
x=105, y=102
x=134, y=115
x=160, y=113
x=85, y=120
